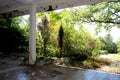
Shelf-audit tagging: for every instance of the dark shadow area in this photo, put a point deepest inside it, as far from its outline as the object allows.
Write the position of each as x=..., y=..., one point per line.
x=12, y=40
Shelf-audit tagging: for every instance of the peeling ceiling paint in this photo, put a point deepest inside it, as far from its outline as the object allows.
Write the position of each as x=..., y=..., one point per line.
x=13, y=8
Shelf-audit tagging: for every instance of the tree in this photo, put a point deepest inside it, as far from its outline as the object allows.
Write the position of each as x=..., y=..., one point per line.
x=105, y=14
x=60, y=40
x=44, y=29
x=108, y=44
x=80, y=42
x=13, y=37
x=76, y=41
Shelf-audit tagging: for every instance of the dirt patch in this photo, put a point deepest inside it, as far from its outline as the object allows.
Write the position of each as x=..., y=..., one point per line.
x=113, y=67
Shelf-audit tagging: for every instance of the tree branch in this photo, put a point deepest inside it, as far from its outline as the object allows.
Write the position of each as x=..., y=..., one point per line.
x=105, y=21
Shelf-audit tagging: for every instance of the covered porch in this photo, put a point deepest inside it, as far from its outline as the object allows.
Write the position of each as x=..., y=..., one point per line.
x=13, y=8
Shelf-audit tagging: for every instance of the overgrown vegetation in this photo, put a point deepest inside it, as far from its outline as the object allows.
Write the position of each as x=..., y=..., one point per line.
x=94, y=62
x=107, y=44
x=63, y=33
x=13, y=37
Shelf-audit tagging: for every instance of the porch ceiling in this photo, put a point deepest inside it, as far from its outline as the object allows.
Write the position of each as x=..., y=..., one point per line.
x=21, y=7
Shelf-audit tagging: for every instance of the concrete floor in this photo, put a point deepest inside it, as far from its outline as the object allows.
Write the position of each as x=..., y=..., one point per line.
x=10, y=69
x=77, y=75
x=88, y=75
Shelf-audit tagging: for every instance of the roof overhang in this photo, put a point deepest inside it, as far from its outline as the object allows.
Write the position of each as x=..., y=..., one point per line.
x=12, y=8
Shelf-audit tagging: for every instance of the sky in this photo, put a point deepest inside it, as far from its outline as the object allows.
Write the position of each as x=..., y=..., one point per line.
x=115, y=32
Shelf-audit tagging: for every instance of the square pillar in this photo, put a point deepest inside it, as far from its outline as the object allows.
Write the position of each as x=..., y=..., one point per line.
x=32, y=34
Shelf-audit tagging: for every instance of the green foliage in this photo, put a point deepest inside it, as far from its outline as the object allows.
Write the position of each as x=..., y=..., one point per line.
x=47, y=43
x=91, y=63
x=104, y=14
x=77, y=41
x=95, y=62
x=103, y=52
x=118, y=45
x=13, y=38
x=108, y=44
x=80, y=42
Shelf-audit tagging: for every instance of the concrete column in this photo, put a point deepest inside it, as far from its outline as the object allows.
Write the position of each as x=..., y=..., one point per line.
x=32, y=34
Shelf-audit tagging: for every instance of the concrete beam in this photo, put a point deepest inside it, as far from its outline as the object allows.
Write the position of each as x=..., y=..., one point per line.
x=26, y=1
x=44, y=4
x=14, y=6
